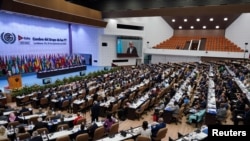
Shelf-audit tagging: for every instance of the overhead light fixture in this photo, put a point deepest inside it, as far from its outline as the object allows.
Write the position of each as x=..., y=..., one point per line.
x=217, y=27
x=185, y=20
x=204, y=27
x=225, y=19
x=173, y=20
x=180, y=27
x=211, y=19
x=192, y=27
x=198, y=19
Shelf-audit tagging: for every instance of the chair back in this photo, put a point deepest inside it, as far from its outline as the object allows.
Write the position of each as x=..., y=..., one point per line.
x=114, y=128
x=99, y=133
x=161, y=134
x=63, y=138
x=82, y=137
x=23, y=136
x=143, y=138
x=42, y=130
x=64, y=126
x=65, y=104
x=13, y=123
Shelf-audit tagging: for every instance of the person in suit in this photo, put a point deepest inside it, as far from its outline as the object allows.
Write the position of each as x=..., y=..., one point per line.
x=157, y=126
x=36, y=137
x=24, y=109
x=132, y=49
x=95, y=111
x=39, y=124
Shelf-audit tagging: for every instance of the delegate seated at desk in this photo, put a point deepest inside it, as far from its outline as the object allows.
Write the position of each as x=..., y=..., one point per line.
x=156, y=127
x=196, y=116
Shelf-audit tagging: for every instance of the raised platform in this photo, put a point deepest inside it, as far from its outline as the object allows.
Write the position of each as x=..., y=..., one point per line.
x=44, y=74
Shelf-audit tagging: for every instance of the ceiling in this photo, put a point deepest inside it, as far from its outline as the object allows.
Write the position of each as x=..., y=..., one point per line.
x=173, y=9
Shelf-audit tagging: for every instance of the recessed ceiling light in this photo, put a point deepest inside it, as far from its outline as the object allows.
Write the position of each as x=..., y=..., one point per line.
x=185, y=20
x=192, y=27
x=198, y=19
x=211, y=19
x=204, y=27
x=173, y=20
x=225, y=19
x=180, y=27
x=217, y=27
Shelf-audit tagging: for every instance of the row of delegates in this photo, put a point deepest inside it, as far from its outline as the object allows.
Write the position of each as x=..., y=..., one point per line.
x=152, y=131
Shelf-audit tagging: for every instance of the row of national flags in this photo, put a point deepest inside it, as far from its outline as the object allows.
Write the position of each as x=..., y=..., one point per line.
x=34, y=63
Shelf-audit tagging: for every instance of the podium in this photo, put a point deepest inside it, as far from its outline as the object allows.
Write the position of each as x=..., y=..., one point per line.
x=15, y=81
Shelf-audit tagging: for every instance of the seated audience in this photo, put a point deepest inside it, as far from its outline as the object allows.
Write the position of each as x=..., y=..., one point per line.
x=12, y=117
x=35, y=137
x=157, y=126
x=145, y=130
x=108, y=122
x=77, y=118
x=39, y=124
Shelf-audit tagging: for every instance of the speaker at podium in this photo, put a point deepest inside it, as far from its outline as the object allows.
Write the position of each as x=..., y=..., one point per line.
x=15, y=81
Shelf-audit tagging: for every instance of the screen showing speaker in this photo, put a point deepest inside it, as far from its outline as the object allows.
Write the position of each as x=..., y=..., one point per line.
x=127, y=46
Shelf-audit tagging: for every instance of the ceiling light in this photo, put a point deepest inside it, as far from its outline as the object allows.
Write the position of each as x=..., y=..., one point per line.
x=225, y=19
x=192, y=27
x=197, y=19
x=173, y=20
x=211, y=19
x=185, y=20
x=180, y=27
x=217, y=27
x=204, y=27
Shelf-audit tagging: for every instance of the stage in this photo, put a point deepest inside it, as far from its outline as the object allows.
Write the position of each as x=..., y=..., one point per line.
x=30, y=79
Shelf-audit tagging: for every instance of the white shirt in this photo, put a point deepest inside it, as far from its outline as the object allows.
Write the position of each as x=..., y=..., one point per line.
x=146, y=133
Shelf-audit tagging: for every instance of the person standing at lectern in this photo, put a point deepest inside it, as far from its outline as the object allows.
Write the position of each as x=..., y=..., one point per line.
x=132, y=49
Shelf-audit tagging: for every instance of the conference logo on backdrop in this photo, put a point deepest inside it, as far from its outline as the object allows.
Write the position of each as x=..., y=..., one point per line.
x=23, y=40
x=8, y=38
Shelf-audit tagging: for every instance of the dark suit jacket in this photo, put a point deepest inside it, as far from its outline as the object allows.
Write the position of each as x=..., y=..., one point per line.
x=37, y=138
x=38, y=125
x=95, y=110
x=156, y=128
x=134, y=51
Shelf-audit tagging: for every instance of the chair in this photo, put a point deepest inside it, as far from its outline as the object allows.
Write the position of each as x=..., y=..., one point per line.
x=143, y=138
x=114, y=110
x=13, y=123
x=26, y=113
x=42, y=130
x=63, y=138
x=139, y=111
x=25, y=100
x=65, y=105
x=178, y=117
x=62, y=126
x=44, y=102
x=23, y=136
x=82, y=137
x=99, y=133
x=160, y=134
x=33, y=119
x=114, y=129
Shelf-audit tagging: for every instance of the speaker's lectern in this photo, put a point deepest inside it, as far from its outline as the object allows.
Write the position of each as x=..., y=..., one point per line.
x=15, y=81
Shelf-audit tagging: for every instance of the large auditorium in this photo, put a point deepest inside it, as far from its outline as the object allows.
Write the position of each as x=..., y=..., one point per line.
x=124, y=70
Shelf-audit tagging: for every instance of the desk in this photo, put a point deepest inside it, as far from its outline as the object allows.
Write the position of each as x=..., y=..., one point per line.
x=119, y=137
x=199, y=136
x=44, y=74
